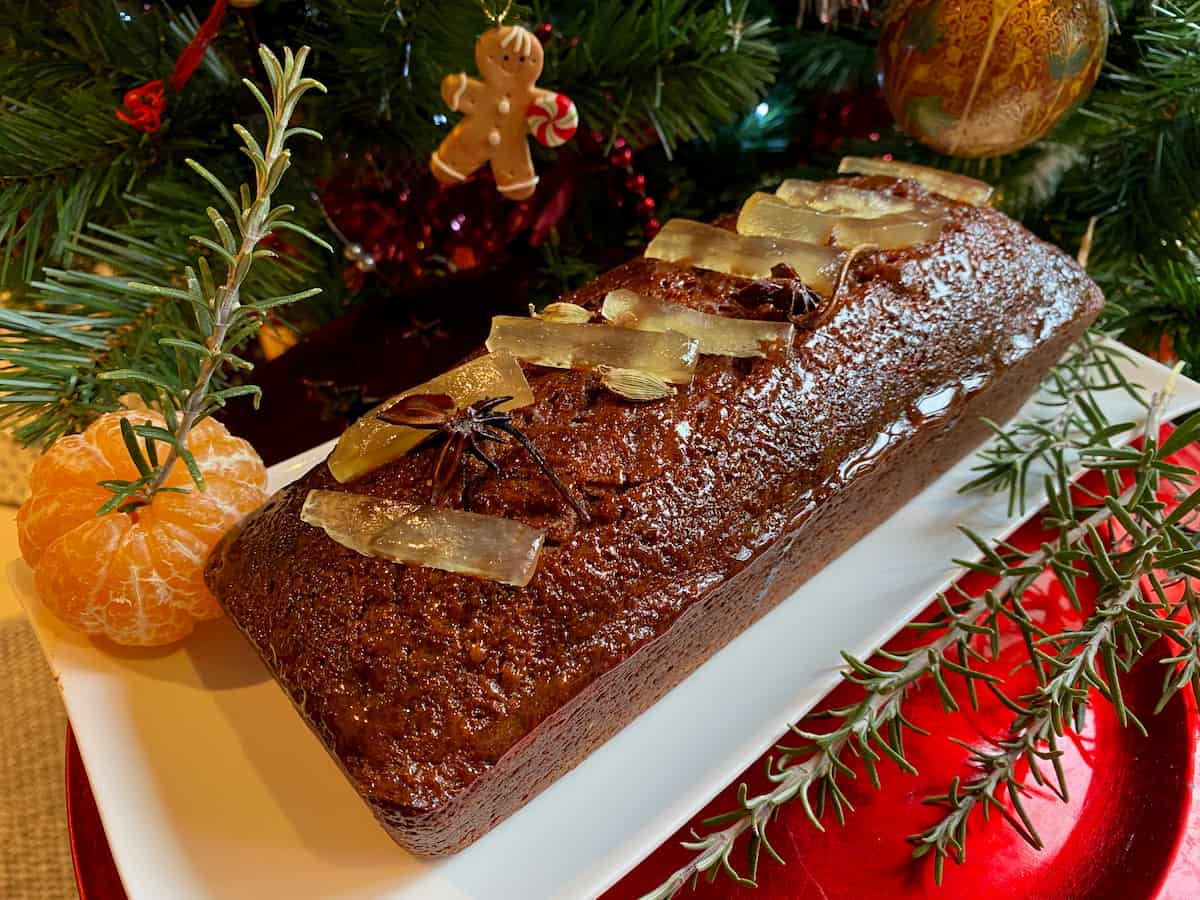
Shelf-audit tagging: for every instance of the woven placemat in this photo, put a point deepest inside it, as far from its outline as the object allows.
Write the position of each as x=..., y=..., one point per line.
x=15, y=463
x=35, y=856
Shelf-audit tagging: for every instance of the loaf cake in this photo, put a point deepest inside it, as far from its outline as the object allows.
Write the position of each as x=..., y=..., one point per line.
x=449, y=700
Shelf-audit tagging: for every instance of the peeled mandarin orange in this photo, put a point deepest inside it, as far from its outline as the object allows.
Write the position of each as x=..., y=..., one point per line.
x=137, y=577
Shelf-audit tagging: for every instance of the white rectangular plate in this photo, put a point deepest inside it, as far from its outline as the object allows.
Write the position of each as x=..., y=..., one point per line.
x=210, y=785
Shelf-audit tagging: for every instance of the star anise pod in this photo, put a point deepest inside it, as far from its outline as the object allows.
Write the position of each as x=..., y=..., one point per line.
x=465, y=429
x=783, y=292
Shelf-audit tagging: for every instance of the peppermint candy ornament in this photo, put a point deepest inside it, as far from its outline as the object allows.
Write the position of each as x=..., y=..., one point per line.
x=552, y=119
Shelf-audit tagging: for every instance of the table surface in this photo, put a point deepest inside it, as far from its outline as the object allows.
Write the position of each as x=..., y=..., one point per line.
x=34, y=857
x=10, y=608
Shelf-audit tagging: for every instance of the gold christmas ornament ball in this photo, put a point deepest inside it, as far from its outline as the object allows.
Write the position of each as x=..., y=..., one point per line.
x=985, y=77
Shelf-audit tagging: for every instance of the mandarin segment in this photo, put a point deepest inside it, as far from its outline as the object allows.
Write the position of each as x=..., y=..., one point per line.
x=73, y=460
x=137, y=577
x=138, y=606
x=71, y=573
x=178, y=556
x=211, y=513
x=50, y=513
x=229, y=457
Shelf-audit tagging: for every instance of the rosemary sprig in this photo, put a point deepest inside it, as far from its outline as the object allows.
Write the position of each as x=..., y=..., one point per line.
x=1065, y=664
x=223, y=317
x=1126, y=620
x=873, y=727
x=1068, y=422
x=1183, y=669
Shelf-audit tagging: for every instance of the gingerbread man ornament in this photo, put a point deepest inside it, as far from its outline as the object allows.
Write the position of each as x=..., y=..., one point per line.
x=499, y=112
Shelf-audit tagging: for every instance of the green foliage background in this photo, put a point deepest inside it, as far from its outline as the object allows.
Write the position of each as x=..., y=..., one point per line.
x=718, y=98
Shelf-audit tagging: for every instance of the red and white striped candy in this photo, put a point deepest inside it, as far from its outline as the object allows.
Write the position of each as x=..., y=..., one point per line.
x=552, y=119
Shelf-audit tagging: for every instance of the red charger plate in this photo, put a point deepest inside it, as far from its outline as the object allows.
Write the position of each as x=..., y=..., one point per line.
x=1131, y=830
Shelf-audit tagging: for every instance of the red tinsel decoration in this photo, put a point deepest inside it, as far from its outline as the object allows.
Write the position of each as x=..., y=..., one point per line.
x=399, y=223
x=190, y=58
x=408, y=225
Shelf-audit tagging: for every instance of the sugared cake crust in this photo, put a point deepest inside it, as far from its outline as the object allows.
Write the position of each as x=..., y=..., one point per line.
x=449, y=701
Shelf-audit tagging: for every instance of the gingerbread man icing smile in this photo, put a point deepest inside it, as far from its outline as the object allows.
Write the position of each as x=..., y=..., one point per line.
x=498, y=112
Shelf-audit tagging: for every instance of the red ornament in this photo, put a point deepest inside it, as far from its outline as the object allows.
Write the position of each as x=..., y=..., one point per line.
x=1166, y=350
x=652, y=228
x=144, y=106
x=645, y=206
x=636, y=183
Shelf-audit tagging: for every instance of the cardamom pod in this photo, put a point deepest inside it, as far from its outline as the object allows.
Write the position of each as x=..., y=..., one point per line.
x=566, y=313
x=633, y=384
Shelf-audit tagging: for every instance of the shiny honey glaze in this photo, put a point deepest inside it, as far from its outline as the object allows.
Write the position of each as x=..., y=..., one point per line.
x=421, y=680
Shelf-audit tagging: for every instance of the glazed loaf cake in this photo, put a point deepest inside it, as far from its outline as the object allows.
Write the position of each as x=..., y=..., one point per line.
x=449, y=701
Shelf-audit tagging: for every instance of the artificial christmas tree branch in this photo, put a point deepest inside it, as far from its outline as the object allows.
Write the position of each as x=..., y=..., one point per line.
x=657, y=70
x=1141, y=129
x=57, y=163
x=103, y=334
x=691, y=66
x=827, y=61
x=63, y=154
x=665, y=70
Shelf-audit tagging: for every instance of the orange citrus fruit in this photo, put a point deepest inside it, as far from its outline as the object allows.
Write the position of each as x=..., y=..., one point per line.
x=135, y=577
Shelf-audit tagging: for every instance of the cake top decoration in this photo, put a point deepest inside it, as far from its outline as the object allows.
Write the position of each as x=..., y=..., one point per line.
x=465, y=428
